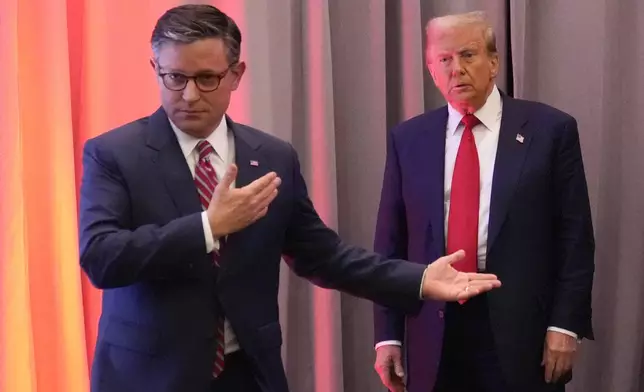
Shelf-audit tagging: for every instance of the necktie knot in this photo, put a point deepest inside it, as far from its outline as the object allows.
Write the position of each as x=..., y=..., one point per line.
x=470, y=121
x=204, y=148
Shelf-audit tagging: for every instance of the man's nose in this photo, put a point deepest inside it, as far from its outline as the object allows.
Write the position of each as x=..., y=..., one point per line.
x=191, y=93
x=457, y=67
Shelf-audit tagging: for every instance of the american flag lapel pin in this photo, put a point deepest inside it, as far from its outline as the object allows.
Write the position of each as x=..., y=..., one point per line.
x=254, y=163
x=520, y=138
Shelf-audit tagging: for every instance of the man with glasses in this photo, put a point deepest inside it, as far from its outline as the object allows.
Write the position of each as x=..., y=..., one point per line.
x=183, y=226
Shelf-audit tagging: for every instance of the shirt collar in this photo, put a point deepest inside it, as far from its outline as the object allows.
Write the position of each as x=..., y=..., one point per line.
x=488, y=114
x=218, y=139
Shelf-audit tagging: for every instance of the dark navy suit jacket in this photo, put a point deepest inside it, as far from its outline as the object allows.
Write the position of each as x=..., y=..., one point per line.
x=142, y=242
x=540, y=237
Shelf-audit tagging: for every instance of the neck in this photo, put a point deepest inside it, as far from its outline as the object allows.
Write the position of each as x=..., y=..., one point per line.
x=466, y=107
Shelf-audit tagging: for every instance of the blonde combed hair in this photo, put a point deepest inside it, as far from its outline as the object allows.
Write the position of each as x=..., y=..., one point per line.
x=475, y=18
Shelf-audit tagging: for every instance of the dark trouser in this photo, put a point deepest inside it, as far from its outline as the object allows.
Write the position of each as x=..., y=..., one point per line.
x=469, y=361
x=237, y=375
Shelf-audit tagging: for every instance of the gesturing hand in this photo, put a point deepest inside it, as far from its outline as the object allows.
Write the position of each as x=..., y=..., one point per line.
x=231, y=210
x=444, y=283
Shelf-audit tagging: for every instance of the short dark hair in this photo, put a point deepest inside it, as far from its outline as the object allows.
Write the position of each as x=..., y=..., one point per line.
x=193, y=22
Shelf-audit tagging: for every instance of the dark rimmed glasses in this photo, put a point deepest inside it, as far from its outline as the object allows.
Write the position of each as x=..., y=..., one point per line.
x=205, y=82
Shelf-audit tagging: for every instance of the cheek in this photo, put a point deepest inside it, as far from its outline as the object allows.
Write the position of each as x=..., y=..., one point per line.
x=214, y=98
x=481, y=75
x=217, y=101
x=443, y=77
x=170, y=97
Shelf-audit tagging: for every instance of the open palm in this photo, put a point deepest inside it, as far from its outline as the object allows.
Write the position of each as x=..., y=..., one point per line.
x=443, y=282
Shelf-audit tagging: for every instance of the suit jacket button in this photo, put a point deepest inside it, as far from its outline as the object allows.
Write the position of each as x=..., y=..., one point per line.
x=441, y=314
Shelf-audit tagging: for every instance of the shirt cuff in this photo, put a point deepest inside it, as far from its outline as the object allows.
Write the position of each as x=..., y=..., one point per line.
x=564, y=331
x=211, y=243
x=388, y=343
x=422, y=284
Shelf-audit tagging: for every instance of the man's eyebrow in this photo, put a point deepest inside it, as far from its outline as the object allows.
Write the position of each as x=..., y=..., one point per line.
x=199, y=72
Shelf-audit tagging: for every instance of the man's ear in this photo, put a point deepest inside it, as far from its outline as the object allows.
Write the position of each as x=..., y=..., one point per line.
x=238, y=71
x=494, y=62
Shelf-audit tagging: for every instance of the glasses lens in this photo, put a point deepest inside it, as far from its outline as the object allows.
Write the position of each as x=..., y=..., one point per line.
x=208, y=82
x=175, y=81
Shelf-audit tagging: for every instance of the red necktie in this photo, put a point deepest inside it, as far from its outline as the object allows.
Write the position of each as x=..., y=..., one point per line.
x=206, y=181
x=463, y=221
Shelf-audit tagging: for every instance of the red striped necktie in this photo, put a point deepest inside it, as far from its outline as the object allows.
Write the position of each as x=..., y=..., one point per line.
x=206, y=181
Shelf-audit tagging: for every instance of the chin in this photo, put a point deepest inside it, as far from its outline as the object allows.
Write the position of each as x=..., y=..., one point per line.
x=463, y=98
x=191, y=127
x=464, y=94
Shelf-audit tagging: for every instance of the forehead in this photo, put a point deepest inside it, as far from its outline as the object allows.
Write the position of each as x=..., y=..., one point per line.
x=455, y=38
x=203, y=54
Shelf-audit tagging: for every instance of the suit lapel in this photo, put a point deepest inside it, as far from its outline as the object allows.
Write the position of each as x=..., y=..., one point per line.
x=429, y=159
x=172, y=164
x=251, y=164
x=514, y=141
x=437, y=176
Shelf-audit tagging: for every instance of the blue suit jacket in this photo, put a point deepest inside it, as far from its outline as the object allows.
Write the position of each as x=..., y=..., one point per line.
x=142, y=241
x=540, y=237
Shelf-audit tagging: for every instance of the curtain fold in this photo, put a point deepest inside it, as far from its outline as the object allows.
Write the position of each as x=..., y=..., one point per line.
x=42, y=312
x=16, y=347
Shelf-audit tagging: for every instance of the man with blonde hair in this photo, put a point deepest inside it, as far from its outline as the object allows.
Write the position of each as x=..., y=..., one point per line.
x=502, y=179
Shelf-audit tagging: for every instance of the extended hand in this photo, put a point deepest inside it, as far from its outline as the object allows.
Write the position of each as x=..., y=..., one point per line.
x=389, y=367
x=231, y=210
x=444, y=283
x=558, y=355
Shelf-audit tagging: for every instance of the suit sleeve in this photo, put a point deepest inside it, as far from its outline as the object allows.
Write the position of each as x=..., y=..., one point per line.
x=315, y=252
x=575, y=239
x=112, y=253
x=390, y=241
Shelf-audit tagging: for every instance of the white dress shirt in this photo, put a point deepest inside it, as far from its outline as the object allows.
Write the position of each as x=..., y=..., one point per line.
x=486, y=136
x=223, y=142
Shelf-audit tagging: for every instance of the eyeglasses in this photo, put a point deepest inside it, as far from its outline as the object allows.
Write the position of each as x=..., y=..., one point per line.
x=206, y=82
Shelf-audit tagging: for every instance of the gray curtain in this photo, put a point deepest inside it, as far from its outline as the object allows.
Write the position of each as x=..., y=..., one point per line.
x=336, y=74
x=586, y=57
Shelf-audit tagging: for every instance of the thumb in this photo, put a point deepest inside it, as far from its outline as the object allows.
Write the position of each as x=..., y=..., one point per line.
x=454, y=257
x=229, y=176
x=398, y=368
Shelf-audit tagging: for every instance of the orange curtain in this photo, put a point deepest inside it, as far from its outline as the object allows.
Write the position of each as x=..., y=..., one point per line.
x=69, y=70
